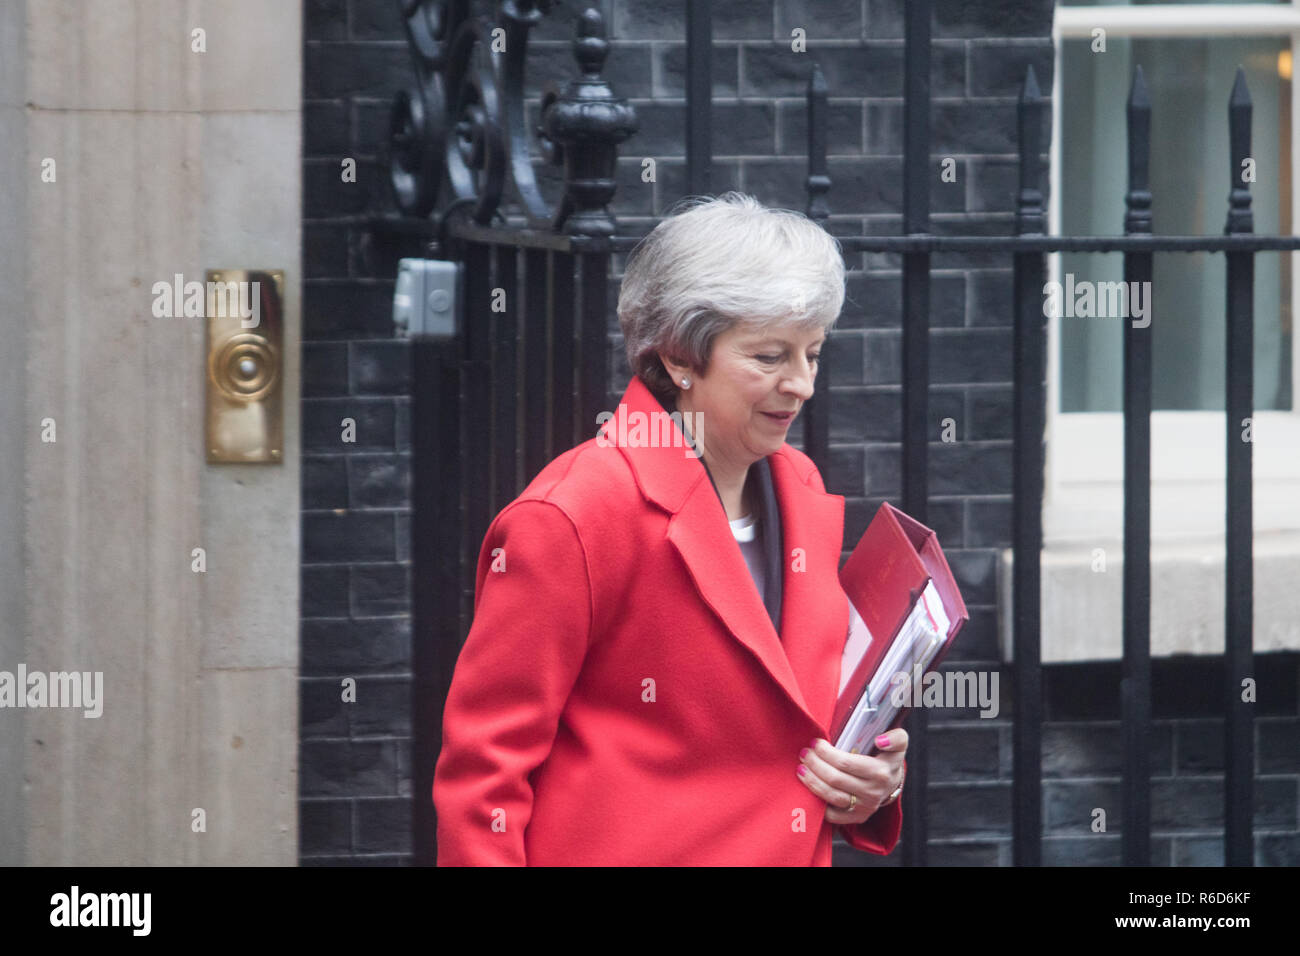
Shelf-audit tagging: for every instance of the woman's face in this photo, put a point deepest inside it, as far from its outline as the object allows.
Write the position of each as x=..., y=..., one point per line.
x=755, y=384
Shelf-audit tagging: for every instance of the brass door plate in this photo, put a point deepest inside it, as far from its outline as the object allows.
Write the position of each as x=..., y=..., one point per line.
x=245, y=365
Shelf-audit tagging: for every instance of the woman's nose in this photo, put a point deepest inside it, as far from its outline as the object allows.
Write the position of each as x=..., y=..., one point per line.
x=800, y=382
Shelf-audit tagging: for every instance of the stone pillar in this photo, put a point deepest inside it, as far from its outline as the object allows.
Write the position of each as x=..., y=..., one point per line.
x=13, y=419
x=167, y=159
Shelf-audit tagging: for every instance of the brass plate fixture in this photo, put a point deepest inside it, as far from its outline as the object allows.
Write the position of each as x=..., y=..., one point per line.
x=245, y=356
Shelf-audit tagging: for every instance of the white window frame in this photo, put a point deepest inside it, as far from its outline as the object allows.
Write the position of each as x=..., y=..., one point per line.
x=1083, y=483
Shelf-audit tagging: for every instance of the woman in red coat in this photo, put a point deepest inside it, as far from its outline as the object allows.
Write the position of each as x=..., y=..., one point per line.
x=658, y=623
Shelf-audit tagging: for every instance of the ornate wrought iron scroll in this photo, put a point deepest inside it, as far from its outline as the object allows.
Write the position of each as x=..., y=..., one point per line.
x=462, y=123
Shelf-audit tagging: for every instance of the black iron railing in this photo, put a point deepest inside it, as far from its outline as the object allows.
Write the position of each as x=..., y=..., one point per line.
x=525, y=381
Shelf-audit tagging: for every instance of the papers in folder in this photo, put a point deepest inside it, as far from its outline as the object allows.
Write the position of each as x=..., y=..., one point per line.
x=924, y=633
x=905, y=610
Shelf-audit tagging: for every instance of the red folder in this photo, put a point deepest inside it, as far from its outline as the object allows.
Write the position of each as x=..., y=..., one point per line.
x=895, y=559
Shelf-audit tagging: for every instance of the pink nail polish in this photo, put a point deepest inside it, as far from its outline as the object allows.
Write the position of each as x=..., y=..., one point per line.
x=882, y=741
x=802, y=771
x=803, y=753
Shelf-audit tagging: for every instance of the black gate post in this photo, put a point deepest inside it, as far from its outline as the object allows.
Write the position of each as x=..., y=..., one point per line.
x=699, y=96
x=476, y=418
x=436, y=562
x=1029, y=413
x=506, y=359
x=1135, y=680
x=817, y=413
x=916, y=370
x=1238, y=733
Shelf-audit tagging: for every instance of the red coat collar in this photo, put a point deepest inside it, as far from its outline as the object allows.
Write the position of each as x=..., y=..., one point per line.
x=812, y=524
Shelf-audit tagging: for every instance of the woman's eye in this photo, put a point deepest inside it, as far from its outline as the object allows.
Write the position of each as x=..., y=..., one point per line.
x=770, y=359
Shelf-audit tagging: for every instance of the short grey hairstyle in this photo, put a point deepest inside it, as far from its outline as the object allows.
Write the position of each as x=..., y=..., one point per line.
x=713, y=263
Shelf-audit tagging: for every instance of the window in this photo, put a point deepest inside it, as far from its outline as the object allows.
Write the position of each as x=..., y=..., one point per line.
x=1189, y=54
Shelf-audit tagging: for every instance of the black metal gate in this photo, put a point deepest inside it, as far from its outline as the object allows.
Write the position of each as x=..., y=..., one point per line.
x=520, y=385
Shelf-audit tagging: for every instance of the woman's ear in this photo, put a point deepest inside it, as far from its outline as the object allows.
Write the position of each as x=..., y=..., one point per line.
x=676, y=370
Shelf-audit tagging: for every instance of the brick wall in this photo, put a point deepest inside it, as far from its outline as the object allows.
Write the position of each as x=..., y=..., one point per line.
x=355, y=780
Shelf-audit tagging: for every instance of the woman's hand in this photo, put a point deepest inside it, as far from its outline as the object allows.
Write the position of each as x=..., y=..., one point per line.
x=854, y=786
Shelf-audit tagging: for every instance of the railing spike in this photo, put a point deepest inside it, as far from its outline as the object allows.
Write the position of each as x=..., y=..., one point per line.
x=1240, y=90
x=1240, y=217
x=1029, y=91
x=1138, y=97
x=1030, y=110
x=817, y=79
x=1137, y=201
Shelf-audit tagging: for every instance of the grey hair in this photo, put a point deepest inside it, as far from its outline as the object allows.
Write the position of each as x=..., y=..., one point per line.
x=713, y=263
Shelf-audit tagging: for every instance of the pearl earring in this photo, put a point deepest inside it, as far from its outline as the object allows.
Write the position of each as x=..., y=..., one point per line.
x=686, y=383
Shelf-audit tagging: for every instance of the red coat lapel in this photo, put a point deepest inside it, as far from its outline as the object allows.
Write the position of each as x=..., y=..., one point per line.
x=802, y=660
x=814, y=618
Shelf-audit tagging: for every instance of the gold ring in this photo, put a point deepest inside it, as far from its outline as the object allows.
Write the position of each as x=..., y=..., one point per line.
x=853, y=800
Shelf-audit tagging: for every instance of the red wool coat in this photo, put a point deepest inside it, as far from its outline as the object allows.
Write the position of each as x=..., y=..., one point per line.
x=622, y=697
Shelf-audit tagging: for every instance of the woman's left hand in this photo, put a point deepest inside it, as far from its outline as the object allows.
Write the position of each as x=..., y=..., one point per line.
x=845, y=780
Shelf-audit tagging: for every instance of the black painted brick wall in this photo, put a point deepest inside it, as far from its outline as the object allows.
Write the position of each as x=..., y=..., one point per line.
x=355, y=780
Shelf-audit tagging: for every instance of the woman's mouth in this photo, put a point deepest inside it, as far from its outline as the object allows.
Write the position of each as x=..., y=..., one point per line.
x=783, y=418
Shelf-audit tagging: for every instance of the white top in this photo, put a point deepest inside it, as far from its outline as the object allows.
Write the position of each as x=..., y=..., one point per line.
x=744, y=531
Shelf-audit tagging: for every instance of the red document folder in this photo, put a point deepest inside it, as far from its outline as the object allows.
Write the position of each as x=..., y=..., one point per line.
x=884, y=577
